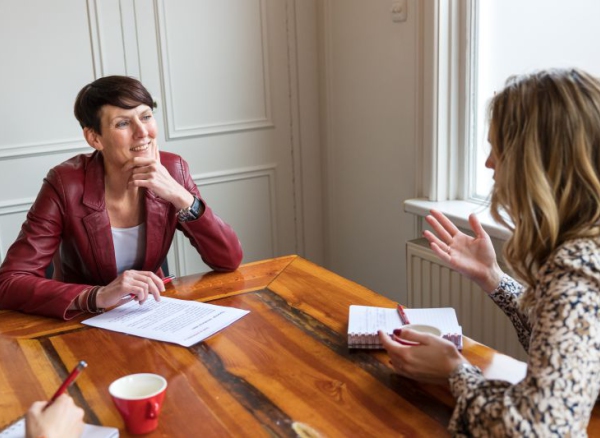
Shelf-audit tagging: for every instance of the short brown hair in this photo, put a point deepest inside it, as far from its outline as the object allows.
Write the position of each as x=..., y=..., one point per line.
x=122, y=91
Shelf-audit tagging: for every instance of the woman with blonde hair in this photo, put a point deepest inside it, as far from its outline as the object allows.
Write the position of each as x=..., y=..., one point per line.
x=545, y=153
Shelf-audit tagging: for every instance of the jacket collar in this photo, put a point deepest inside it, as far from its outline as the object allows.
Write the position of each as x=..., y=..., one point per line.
x=93, y=191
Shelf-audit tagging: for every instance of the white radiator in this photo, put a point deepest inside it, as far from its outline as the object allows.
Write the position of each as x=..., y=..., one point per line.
x=431, y=283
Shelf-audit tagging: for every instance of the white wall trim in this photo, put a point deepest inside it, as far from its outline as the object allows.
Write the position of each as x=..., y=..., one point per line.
x=212, y=178
x=295, y=133
x=178, y=132
x=95, y=38
x=328, y=136
x=16, y=206
x=131, y=50
x=42, y=149
x=446, y=102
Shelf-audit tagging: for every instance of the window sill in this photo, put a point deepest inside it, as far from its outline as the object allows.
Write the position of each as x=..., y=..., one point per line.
x=458, y=212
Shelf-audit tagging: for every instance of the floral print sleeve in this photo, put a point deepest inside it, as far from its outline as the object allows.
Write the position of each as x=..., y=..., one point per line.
x=558, y=393
x=506, y=297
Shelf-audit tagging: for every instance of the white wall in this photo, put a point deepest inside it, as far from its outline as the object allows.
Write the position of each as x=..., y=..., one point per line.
x=332, y=83
x=371, y=107
x=232, y=79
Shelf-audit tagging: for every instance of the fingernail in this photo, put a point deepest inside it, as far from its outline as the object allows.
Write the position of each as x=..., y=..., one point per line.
x=397, y=332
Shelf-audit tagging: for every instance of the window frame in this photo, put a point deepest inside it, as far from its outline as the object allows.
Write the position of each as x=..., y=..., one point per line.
x=446, y=133
x=448, y=91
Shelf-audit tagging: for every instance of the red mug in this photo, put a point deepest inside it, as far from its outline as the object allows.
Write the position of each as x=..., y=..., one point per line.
x=139, y=398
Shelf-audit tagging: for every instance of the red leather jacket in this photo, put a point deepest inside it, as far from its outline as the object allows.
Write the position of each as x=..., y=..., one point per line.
x=69, y=225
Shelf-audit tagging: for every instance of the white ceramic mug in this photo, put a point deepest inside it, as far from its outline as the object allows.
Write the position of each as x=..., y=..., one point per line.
x=423, y=328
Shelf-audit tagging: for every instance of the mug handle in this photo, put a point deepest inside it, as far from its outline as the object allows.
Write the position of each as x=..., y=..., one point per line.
x=152, y=410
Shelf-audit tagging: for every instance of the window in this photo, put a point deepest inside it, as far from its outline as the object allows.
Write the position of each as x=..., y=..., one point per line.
x=516, y=36
x=470, y=47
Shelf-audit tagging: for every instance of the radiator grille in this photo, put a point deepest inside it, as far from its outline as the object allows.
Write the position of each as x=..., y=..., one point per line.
x=431, y=283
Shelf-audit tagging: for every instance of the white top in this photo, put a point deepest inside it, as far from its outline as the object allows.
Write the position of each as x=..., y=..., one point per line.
x=130, y=247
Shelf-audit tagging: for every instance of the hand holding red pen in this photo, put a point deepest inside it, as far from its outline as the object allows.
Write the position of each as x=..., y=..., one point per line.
x=141, y=284
x=421, y=356
x=63, y=419
x=165, y=280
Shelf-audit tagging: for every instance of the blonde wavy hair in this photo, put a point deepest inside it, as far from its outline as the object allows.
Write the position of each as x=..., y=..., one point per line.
x=545, y=137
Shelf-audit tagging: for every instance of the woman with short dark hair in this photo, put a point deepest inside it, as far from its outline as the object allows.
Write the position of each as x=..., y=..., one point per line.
x=106, y=220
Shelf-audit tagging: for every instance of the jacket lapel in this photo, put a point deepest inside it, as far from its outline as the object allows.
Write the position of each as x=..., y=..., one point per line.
x=157, y=212
x=97, y=223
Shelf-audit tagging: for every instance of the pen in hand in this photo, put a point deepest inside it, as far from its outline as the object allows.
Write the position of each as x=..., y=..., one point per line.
x=165, y=280
x=68, y=382
x=168, y=279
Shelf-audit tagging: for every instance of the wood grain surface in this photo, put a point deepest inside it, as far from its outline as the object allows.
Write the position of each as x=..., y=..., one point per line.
x=282, y=370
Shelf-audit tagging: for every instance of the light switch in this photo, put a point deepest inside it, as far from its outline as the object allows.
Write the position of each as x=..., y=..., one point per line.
x=398, y=11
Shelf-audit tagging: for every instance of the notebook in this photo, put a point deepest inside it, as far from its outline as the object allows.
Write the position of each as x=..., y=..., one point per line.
x=365, y=321
x=17, y=430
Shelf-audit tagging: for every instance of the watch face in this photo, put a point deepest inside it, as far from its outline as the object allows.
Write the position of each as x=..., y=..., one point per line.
x=195, y=208
x=191, y=212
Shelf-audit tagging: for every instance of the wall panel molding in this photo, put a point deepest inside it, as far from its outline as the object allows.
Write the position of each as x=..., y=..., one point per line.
x=176, y=129
x=64, y=145
x=95, y=38
x=202, y=181
x=75, y=146
x=114, y=30
x=15, y=207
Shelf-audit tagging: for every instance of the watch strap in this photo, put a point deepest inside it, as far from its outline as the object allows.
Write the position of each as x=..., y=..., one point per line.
x=190, y=213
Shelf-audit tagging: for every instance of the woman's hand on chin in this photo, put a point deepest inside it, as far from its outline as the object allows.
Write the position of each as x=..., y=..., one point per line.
x=150, y=174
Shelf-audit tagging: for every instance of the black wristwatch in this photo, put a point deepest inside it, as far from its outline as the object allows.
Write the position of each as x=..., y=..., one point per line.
x=190, y=213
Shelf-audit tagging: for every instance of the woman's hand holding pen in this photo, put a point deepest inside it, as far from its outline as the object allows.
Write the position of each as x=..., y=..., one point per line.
x=62, y=419
x=421, y=356
x=474, y=257
x=140, y=285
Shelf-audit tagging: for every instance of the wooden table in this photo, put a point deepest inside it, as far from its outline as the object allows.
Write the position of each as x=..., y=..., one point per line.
x=282, y=369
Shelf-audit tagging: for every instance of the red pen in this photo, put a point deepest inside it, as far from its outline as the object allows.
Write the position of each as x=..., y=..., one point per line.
x=402, y=314
x=166, y=280
x=68, y=382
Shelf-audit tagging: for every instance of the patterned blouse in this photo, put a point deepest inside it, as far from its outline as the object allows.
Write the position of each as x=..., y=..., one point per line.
x=562, y=338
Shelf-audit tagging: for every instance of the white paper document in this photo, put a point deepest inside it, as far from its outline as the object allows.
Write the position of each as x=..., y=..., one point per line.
x=181, y=322
x=17, y=430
